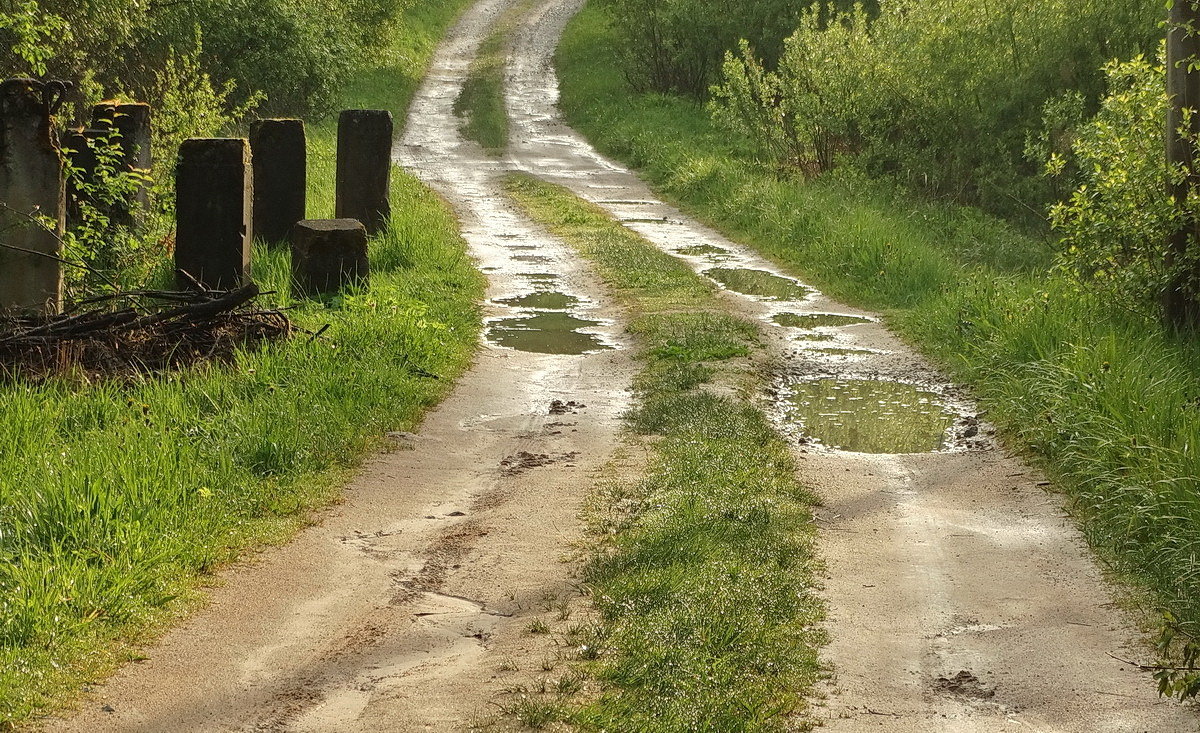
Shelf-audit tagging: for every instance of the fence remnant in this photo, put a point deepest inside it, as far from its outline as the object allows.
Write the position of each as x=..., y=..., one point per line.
x=132, y=122
x=213, y=201
x=32, y=197
x=328, y=255
x=279, y=155
x=78, y=147
x=364, y=166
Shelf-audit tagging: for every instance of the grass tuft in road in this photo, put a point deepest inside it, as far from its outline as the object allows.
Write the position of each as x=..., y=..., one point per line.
x=119, y=500
x=703, y=574
x=480, y=103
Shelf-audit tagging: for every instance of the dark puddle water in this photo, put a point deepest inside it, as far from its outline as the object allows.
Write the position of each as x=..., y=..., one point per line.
x=702, y=250
x=817, y=320
x=546, y=300
x=758, y=283
x=546, y=333
x=870, y=416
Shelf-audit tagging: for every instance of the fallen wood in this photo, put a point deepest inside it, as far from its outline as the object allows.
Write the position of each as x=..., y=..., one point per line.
x=129, y=334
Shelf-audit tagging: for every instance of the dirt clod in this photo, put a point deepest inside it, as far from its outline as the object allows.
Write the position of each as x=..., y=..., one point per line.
x=964, y=684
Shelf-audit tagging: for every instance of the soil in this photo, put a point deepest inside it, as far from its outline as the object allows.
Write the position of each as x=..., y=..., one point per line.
x=960, y=596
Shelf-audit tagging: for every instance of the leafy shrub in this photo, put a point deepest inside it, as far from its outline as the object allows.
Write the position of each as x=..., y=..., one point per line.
x=676, y=46
x=1115, y=225
x=943, y=95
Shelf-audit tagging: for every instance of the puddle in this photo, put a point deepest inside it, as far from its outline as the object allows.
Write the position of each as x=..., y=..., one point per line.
x=546, y=300
x=814, y=337
x=532, y=258
x=817, y=320
x=646, y=220
x=700, y=250
x=546, y=333
x=869, y=416
x=539, y=277
x=758, y=283
x=837, y=351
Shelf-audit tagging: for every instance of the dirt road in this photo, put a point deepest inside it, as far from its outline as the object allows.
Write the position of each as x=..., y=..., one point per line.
x=960, y=597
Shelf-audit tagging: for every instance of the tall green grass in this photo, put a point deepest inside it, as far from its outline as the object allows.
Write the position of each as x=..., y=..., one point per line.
x=1105, y=400
x=118, y=499
x=703, y=578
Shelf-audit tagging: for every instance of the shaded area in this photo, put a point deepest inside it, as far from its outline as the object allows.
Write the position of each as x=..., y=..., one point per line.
x=870, y=417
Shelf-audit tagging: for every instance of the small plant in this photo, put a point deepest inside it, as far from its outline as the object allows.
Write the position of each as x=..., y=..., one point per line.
x=538, y=626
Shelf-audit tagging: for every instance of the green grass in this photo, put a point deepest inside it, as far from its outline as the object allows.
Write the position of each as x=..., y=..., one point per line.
x=1105, y=400
x=480, y=104
x=703, y=578
x=117, y=501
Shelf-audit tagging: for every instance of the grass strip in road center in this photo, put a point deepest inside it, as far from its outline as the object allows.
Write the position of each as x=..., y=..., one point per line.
x=702, y=577
x=480, y=103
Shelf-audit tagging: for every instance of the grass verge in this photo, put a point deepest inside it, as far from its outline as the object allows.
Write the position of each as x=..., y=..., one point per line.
x=118, y=500
x=1107, y=401
x=480, y=104
x=703, y=578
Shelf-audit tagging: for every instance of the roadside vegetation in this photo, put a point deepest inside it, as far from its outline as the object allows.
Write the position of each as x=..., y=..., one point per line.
x=120, y=499
x=703, y=573
x=1062, y=342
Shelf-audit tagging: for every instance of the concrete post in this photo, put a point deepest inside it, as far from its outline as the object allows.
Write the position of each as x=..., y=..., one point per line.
x=213, y=200
x=328, y=255
x=132, y=122
x=77, y=147
x=31, y=185
x=280, y=177
x=364, y=167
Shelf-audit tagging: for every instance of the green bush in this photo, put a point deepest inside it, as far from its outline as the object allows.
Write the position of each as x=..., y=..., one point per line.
x=676, y=46
x=943, y=95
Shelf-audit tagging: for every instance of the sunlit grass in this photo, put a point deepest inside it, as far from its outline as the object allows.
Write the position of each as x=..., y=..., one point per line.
x=703, y=577
x=116, y=500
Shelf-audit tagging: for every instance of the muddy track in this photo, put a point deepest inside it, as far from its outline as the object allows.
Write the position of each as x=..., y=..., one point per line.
x=961, y=598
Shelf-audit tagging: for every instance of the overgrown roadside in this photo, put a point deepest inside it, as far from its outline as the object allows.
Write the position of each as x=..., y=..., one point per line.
x=1104, y=398
x=119, y=501
x=703, y=574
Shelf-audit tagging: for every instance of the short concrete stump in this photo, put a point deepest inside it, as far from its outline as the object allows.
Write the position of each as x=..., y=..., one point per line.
x=329, y=255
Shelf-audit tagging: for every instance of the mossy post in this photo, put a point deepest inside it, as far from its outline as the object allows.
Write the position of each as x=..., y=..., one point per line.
x=213, y=202
x=364, y=167
x=1180, y=304
x=132, y=123
x=32, y=200
x=329, y=255
x=278, y=148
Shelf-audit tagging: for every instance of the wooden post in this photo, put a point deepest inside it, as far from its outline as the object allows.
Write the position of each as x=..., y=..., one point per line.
x=32, y=200
x=364, y=166
x=1180, y=305
x=280, y=177
x=213, y=199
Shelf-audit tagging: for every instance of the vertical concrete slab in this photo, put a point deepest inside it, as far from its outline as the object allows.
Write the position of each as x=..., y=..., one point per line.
x=31, y=185
x=329, y=255
x=364, y=167
x=278, y=148
x=79, y=153
x=213, y=201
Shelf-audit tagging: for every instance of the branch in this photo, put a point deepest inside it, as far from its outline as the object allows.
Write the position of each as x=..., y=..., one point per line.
x=1153, y=667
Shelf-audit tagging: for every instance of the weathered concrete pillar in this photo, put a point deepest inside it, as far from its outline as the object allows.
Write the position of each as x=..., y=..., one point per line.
x=364, y=167
x=280, y=177
x=31, y=185
x=132, y=122
x=213, y=200
x=328, y=255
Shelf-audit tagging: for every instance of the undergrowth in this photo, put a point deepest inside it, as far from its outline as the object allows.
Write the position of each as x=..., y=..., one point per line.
x=703, y=578
x=118, y=500
x=1104, y=399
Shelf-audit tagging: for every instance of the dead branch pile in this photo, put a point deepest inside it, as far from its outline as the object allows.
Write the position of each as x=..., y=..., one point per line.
x=143, y=332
